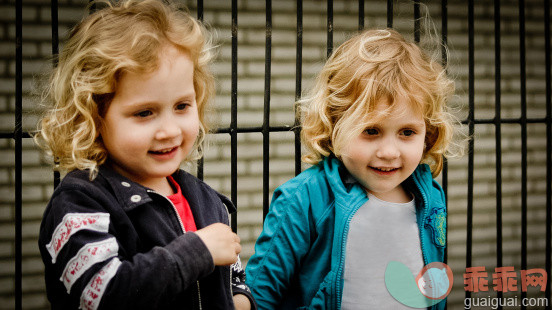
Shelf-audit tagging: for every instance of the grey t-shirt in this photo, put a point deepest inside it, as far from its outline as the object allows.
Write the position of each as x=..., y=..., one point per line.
x=379, y=232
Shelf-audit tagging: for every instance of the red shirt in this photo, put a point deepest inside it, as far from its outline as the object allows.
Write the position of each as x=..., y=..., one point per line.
x=182, y=207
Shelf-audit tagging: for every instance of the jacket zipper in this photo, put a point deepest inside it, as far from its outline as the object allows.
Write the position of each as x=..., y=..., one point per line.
x=199, y=294
x=426, y=207
x=183, y=232
x=343, y=249
x=420, y=224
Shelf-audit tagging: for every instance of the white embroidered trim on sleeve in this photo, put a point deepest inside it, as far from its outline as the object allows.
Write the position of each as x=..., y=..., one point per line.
x=87, y=256
x=92, y=294
x=237, y=266
x=73, y=222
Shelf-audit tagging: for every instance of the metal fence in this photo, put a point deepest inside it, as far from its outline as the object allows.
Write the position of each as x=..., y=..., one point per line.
x=18, y=135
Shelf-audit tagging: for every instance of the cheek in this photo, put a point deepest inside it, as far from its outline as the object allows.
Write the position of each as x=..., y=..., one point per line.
x=360, y=156
x=192, y=123
x=356, y=159
x=193, y=128
x=417, y=150
x=120, y=136
x=356, y=149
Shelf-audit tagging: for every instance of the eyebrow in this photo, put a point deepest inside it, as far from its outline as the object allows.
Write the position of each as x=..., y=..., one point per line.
x=149, y=103
x=406, y=124
x=130, y=106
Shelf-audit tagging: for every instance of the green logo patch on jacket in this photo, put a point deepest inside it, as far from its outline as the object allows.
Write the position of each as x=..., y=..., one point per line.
x=437, y=221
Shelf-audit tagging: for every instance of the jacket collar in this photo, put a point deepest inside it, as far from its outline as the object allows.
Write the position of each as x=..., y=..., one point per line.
x=191, y=186
x=344, y=186
x=129, y=193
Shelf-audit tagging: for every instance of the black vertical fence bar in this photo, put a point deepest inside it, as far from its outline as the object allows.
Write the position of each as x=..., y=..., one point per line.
x=389, y=13
x=234, y=115
x=470, y=131
x=298, y=77
x=55, y=34
x=360, y=15
x=329, y=41
x=18, y=136
x=55, y=57
x=201, y=161
x=266, y=112
x=200, y=10
x=417, y=21
x=523, y=100
x=498, y=139
x=93, y=7
x=548, y=151
x=200, y=165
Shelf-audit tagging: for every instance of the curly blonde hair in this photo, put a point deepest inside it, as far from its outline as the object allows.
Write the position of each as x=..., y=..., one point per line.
x=126, y=36
x=374, y=65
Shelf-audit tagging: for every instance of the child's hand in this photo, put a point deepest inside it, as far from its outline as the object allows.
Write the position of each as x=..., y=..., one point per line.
x=222, y=243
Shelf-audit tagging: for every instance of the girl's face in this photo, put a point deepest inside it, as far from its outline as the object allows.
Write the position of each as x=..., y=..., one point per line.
x=384, y=155
x=152, y=123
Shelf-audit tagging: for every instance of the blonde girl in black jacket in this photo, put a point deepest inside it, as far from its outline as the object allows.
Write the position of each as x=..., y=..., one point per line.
x=126, y=228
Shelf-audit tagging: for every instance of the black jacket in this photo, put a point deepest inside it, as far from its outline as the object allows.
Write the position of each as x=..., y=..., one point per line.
x=111, y=243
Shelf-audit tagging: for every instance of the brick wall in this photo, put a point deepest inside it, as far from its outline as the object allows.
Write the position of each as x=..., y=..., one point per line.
x=37, y=176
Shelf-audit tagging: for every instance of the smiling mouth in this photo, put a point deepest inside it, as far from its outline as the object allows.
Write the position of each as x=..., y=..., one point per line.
x=163, y=151
x=384, y=169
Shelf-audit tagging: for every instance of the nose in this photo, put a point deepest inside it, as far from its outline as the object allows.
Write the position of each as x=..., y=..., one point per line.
x=167, y=129
x=388, y=149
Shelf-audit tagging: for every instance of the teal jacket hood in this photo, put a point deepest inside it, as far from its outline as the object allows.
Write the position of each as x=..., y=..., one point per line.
x=300, y=254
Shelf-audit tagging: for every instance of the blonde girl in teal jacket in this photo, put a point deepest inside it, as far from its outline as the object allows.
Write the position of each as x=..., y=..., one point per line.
x=376, y=128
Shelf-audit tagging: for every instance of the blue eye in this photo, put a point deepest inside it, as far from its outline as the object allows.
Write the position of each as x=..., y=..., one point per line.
x=371, y=131
x=144, y=113
x=182, y=106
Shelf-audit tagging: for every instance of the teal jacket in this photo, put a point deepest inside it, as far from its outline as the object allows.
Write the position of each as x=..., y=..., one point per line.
x=300, y=255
